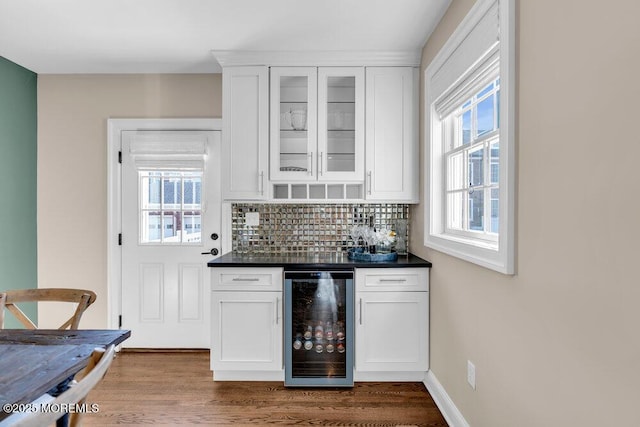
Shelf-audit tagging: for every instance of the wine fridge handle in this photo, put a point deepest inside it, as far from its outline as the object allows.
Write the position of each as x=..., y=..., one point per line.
x=360, y=311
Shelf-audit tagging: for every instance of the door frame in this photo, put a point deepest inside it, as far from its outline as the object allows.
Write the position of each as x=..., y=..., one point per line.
x=115, y=127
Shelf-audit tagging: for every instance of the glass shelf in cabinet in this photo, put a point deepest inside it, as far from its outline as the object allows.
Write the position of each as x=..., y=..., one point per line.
x=293, y=133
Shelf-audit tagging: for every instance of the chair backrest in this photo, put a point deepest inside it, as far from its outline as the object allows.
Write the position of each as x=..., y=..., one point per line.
x=83, y=298
x=76, y=395
x=3, y=298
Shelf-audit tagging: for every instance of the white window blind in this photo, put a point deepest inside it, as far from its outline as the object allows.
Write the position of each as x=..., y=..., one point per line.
x=475, y=46
x=483, y=72
x=163, y=150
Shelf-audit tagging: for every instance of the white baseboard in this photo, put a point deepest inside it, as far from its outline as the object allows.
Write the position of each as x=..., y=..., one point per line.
x=449, y=410
x=248, y=375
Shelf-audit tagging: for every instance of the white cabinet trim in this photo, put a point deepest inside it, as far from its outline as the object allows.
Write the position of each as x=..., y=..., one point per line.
x=342, y=58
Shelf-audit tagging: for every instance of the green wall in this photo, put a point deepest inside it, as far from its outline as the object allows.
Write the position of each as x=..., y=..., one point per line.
x=18, y=161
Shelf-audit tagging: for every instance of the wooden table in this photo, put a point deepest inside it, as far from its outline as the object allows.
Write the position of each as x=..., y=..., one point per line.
x=34, y=361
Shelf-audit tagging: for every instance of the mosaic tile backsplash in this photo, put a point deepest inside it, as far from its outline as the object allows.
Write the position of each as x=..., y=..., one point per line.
x=298, y=229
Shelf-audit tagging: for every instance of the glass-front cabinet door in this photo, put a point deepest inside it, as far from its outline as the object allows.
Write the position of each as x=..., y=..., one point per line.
x=317, y=124
x=341, y=123
x=293, y=123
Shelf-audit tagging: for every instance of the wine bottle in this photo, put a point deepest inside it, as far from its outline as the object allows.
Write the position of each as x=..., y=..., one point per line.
x=328, y=331
x=308, y=333
x=340, y=331
x=319, y=331
x=297, y=343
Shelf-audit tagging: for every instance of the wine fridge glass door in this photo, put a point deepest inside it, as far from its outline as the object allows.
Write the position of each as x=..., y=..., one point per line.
x=319, y=328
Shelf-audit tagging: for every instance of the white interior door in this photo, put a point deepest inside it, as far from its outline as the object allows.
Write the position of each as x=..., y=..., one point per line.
x=171, y=209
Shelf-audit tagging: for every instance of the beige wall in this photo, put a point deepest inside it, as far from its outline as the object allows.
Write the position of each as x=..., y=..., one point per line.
x=558, y=343
x=72, y=165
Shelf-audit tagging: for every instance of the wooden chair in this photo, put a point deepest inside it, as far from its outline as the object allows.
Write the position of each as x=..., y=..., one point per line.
x=76, y=394
x=82, y=297
x=3, y=298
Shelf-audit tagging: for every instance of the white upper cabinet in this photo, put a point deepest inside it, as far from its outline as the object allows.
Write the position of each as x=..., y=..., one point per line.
x=341, y=123
x=317, y=124
x=303, y=127
x=293, y=123
x=245, y=136
x=392, y=166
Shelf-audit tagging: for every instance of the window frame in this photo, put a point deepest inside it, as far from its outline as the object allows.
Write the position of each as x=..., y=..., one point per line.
x=497, y=255
x=451, y=131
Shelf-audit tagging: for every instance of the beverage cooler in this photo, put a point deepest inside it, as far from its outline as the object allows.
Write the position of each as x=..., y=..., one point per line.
x=318, y=345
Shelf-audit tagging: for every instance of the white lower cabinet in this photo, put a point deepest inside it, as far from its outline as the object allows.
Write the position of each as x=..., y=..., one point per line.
x=392, y=324
x=247, y=324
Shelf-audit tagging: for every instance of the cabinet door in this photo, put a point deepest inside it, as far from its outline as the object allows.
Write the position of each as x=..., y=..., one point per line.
x=392, y=134
x=294, y=123
x=247, y=331
x=245, y=136
x=392, y=331
x=341, y=123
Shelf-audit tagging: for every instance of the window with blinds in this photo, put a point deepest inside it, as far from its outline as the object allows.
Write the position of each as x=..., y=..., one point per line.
x=469, y=112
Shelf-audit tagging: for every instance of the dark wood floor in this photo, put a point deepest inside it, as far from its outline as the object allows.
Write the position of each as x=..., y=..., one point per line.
x=177, y=389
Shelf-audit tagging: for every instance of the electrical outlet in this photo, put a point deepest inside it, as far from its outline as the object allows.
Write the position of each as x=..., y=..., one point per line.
x=252, y=219
x=471, y=374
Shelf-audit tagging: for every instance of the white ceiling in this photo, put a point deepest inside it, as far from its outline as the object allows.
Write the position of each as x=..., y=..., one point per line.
x=177, y=36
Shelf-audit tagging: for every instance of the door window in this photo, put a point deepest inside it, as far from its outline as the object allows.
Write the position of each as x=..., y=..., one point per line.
x=170, y=207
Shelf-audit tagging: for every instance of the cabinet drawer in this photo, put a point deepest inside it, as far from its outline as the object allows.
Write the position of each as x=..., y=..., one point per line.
x=392, y=279
x=246, y=279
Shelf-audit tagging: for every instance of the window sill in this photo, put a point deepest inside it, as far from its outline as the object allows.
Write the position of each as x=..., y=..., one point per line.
x=483, y=253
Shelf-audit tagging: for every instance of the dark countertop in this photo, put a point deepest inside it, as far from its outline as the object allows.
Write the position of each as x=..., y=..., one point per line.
x=317, y=261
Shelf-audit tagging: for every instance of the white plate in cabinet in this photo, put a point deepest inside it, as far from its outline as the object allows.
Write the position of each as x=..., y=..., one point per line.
x=392, y=279
x=246, y=279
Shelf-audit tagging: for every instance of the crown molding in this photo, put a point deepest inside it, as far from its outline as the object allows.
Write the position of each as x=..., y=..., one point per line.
x=229, y=58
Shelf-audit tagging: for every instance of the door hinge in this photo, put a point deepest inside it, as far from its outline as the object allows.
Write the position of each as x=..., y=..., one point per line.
x=120, y=239
x=120, y=321
x=119, y=156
